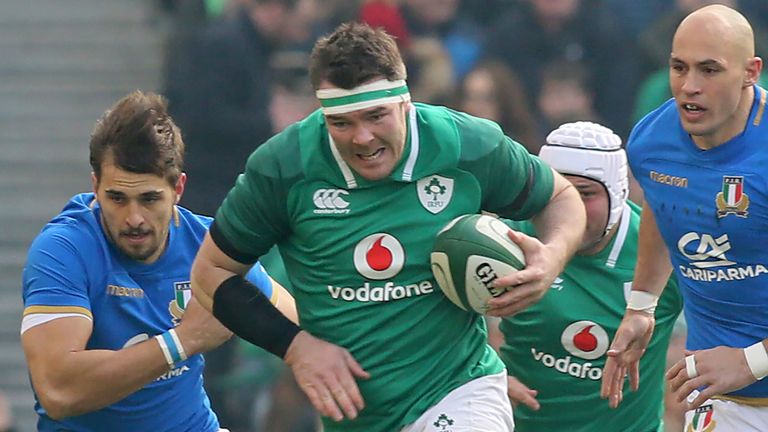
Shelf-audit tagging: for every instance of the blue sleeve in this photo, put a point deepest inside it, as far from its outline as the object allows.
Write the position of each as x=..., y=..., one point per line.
x=259, y=277
x=55, y=274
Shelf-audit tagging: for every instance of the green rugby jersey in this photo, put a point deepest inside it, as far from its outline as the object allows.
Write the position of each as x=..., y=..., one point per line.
x=357, y=252
x=558, y=345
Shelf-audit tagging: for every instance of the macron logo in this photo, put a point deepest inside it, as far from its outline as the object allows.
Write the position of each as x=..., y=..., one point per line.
x=330, y=201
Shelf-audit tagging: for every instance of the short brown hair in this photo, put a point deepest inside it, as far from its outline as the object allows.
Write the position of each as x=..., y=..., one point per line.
x=140, y=136
x=354, y=54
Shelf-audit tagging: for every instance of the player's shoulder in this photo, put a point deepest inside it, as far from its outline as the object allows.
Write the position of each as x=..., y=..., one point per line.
x=661, y=121
x=75, y=230
x=473, y=136
x=192, y=222
x=281, y=155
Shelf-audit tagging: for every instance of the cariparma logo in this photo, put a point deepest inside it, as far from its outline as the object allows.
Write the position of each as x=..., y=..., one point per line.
x=585, y=339
x=379, y=256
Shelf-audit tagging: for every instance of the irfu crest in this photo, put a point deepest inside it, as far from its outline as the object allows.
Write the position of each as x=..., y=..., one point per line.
x=435, y=192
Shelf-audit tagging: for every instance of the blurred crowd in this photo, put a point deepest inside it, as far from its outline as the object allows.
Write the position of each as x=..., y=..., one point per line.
x=235, y=73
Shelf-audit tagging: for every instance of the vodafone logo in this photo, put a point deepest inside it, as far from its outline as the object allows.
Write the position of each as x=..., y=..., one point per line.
x=379, y=256
x=585, y=339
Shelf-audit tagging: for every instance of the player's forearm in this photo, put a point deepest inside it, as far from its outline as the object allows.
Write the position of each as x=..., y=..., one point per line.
x=210, y=269
x=84, y=381
x=205, y=280
x=653, y=266
x=561, y=224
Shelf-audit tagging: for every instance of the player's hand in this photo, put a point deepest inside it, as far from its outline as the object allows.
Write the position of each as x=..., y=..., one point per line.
x=718, y=370
x=528, y=285
x=623, y=357
x=326, y=373
x=199, y=330
x=519, y=393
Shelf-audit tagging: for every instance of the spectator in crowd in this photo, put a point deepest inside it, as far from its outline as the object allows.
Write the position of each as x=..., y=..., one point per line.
x=223, y=104
x=540, y=32
x=565, y=95
x=439, y=46
x=491, y=90
x=6, y=416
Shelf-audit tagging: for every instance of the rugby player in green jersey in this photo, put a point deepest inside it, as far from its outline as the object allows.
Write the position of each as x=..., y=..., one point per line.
x=555, y=350
x=354, y=195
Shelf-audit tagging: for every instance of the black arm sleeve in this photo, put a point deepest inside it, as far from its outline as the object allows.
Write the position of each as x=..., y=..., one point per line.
x=244, y=310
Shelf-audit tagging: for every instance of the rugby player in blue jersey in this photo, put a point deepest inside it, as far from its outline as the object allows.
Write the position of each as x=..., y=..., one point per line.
x=110, y=331
x=700, y=159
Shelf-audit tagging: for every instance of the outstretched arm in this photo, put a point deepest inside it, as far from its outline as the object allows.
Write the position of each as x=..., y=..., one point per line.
x=72, y=380
x=652, y=272
x=324, y=371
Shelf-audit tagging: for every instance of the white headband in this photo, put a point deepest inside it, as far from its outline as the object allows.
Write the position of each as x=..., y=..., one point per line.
x=340, y=101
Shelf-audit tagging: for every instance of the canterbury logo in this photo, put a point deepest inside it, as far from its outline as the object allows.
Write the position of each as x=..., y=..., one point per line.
x=330, y=201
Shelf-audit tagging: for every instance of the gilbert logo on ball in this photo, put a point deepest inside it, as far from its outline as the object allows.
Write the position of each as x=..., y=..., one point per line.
x=469, y=254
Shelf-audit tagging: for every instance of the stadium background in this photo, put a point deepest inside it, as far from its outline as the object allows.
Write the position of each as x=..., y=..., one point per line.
x=63, y=62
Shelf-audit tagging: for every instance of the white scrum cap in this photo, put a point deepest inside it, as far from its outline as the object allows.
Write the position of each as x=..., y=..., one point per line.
x=593, y=151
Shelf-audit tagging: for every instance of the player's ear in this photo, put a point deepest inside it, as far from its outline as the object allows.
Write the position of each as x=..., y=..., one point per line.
x=94, y=181
x=752, y=71
x=179, y=188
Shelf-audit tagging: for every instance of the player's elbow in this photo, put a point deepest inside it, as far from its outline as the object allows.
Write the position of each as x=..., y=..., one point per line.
x=59, y=404
x=199, y=283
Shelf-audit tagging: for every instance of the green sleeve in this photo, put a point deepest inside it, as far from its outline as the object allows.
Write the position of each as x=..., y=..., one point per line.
x=514, y=183
x=253, y=216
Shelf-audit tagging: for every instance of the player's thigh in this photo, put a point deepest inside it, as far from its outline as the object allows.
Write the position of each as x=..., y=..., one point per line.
x=481, y=405
x=726, y=416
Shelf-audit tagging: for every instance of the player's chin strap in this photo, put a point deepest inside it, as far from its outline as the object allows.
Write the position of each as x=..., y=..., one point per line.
x=248, y=313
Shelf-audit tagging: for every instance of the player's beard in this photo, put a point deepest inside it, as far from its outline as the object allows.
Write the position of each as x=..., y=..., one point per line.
x=141, y=252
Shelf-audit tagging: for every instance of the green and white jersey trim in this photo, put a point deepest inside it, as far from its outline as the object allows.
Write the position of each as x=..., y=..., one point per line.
x=340, y=101
x=621, y=236
x=410, y=163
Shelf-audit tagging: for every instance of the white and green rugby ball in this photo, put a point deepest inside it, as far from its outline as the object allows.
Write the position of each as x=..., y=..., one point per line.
x=470, y=253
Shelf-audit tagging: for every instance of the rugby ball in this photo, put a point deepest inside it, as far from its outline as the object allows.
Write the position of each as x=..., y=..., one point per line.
x=469, y=254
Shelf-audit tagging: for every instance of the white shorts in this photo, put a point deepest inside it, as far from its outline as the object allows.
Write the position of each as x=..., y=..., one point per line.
x=481, y=405
x=719, y=415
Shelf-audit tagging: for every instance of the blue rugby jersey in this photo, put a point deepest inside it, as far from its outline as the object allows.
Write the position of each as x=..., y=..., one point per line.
x=712, y=211
x=73, y=268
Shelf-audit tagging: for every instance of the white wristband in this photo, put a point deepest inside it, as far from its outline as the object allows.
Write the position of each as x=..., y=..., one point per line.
x=172, y=348
x=757, y=360
x=642, y=301
x=179, y=346
x=166, y=352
